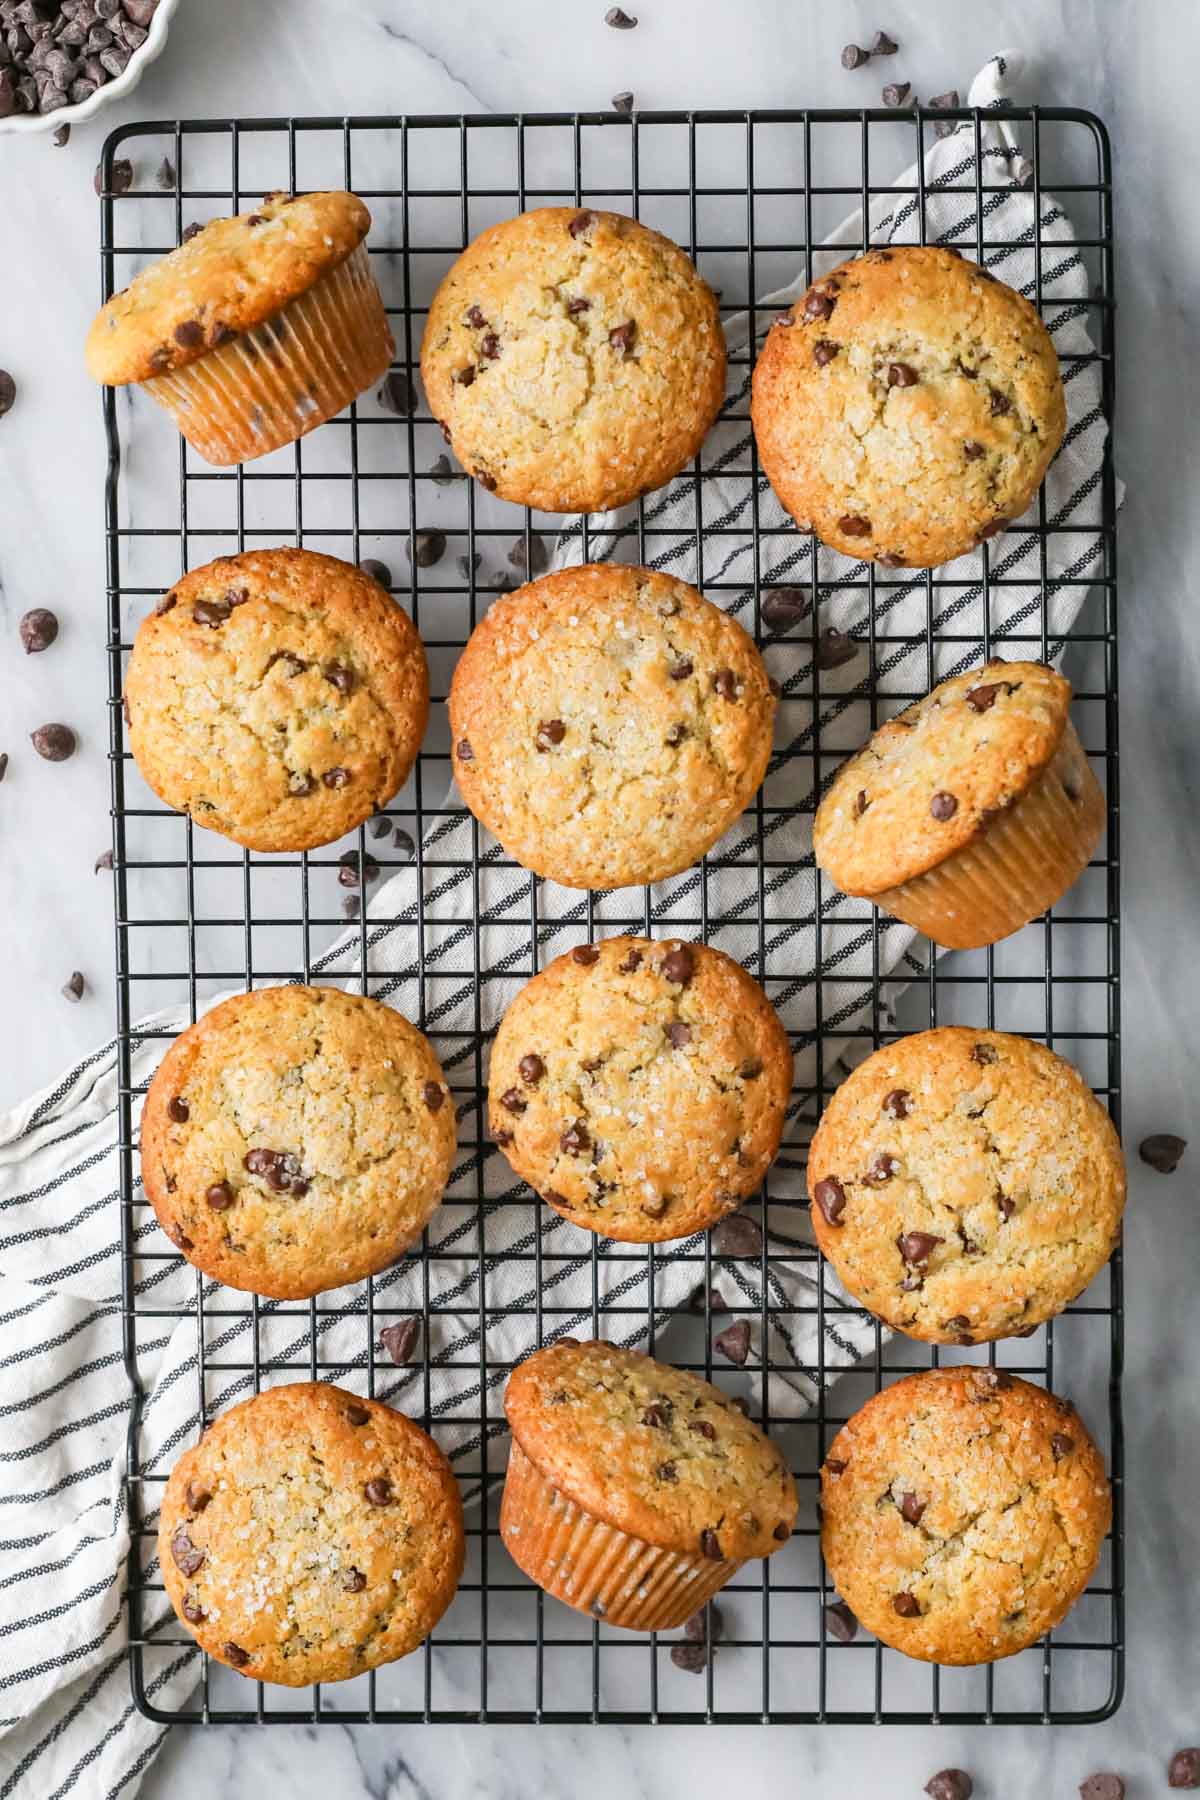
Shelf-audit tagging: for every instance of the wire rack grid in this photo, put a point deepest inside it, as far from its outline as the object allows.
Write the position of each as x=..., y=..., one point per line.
x=751, y=196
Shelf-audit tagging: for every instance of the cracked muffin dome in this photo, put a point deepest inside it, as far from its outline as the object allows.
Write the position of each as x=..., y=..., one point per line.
x=634, y=1490
x=640, y=1088
x=609, y=725
x=295, y=1139
x=256, y=329
x=963, y=1512
x=575, y=359
x=969, y=813
x=310, y=1536
x=908, y=406
x=966, y=1185
x=278, y=697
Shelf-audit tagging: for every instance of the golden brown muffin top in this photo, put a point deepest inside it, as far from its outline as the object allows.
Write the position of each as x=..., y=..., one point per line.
x=609, y=724
x=311, y=1535
x=651, y=1450
x=966, y=1184
x=575, y=358
x=963, y=1511
x=297, y=1138
x=641, y=1087
x=233, y=274
x=908, y=406
x=931, y=779
x=278, y=697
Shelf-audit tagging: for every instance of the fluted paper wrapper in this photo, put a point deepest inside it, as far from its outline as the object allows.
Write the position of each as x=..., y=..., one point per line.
x=595, y=1568
x=1022, y=864
x=280, y=380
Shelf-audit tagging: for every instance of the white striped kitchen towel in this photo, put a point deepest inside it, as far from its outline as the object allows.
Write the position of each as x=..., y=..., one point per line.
x=67, y=1721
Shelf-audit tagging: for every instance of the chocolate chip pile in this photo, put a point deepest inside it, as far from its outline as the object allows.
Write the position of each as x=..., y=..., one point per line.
x=58, y=54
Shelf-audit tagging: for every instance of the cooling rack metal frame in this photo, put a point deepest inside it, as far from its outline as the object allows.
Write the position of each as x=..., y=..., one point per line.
x=778, y=1663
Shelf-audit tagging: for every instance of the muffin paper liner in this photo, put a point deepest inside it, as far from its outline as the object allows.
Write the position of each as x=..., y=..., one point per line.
x=595, y=1568
x=280, y=380
x=1022, y=864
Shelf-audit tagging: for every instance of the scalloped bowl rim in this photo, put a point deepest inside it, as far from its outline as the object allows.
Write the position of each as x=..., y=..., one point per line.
x=138, y=63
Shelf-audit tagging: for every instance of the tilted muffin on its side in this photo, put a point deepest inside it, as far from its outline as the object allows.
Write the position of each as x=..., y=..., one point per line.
x=256, y=329
x=641, y=1087
x=295, y=1139
x=575, y=359
x=277, y=697
x=965, y=1184
x=908, y=406
x=310, y=1536
x=969, y=813
x=609, y=725
x=962, y=1514
x=635, y=1491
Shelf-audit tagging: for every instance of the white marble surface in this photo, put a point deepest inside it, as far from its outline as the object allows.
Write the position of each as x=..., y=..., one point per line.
x=275, y=56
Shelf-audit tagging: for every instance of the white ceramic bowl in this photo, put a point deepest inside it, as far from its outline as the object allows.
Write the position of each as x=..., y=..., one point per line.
x=136, y=67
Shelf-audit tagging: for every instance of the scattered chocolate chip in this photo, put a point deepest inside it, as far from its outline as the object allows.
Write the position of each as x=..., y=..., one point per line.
x=38, y=630
x=943, y=806
x=103, y=861
x=898, y=1103
x=706, y=1626
x=853, y=56
x=164, y=175
x=62, y=135
x=191, y=231
x=349, y=873
x=235, y=1654
x=585, y=955
x=187, y=1557
x=402, y=842
x=397, y=395
x=830, y=1197
x=725, y=684
x=122, y=176
x=911, y=1508
x=8, y=392
x=906, y=1605
x=336, y=778
x=378, y=1491
x=378, y=571
x=693, y=1658
x=1102, y=1786
x=1061, y=1445
x=679, y=1035
x=1162, y=1151
x=947, y=102
x=784, y=607
x=916, y=1247
x=73, y=988
x=882, y=1168
x=834, y=648
x=619, y=19
x=530, y=557
x=840, y=1622
x=883, y=45
x=738, y=1237
x=220, y=1196
x=1183, y=1770
x=54, y=742
x=734, y=1342
x=400, y=1340
x=710, y=1545
x=622, y=103
x=710, y=1297
x=550, y=732
x=950, y=1784
x=427, y=548
x=896, y=93
x=575, y=1139
x=679, y=965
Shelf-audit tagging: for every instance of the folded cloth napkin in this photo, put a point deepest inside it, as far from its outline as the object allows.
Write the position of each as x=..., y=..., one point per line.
x=66, y=1715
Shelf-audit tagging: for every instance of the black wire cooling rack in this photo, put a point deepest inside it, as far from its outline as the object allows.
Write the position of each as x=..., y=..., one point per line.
x=751, y=195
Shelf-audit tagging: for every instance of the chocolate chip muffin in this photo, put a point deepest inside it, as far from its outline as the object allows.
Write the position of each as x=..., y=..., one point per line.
x=574, y=358
x=971, y=812
x=963, y=1511
x=641, y=1087
x=635, y=1491
x=908, y=406
x=256, y=329
x=296, y=1139
x=277, y=697
x=608, y=725
x=966, y=1185
x=310, y=1536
